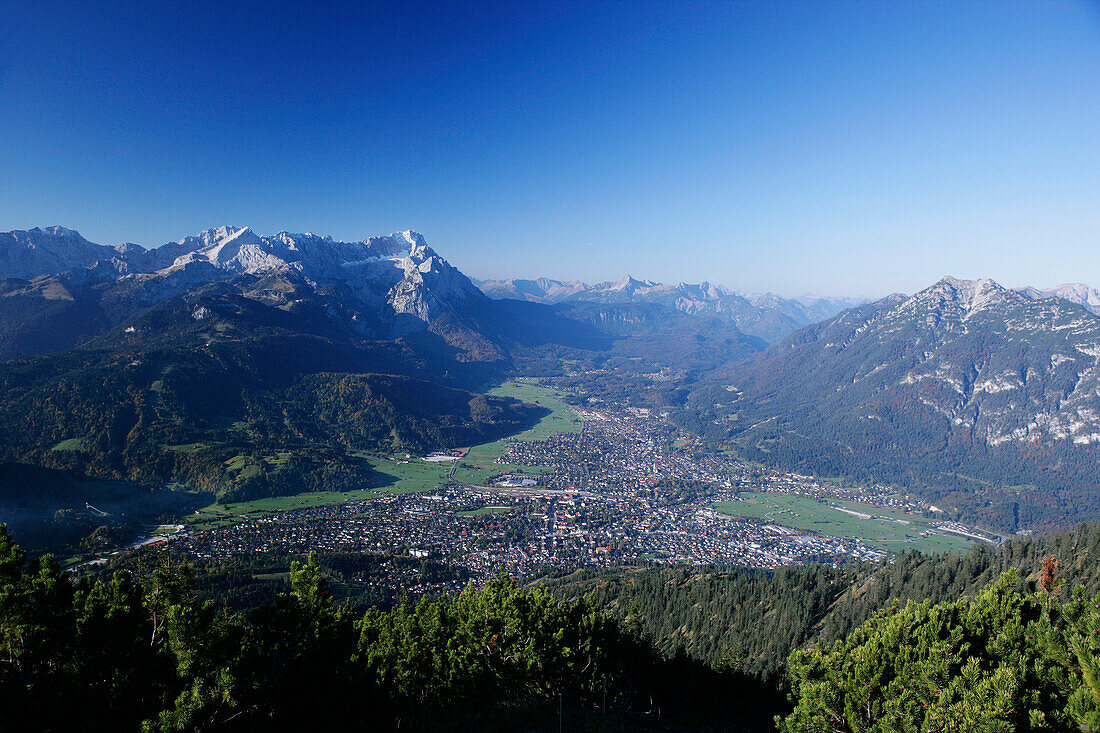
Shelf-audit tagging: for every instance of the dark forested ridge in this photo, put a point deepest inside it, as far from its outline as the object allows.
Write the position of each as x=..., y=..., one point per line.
x=753, y=620
x=179, y=397
x=940, y=643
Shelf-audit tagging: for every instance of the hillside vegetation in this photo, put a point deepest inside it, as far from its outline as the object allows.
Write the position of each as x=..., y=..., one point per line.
x=926, y=644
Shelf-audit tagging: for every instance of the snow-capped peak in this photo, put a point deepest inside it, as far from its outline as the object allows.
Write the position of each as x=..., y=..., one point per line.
x=58, y=231
x=625, y=283
x=45, y=251
x=415, y=239
x=218, y=235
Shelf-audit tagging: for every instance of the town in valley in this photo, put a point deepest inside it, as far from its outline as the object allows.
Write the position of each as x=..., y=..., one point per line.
x=614, y=486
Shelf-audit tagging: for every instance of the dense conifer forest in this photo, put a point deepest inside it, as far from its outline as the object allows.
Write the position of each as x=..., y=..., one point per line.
x=1004, y=640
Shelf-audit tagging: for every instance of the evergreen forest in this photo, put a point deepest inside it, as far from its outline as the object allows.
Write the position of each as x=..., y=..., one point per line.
x=1005, y=641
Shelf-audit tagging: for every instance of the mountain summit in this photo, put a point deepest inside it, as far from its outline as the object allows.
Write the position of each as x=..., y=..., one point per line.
x=383, y=286
x=963, y=373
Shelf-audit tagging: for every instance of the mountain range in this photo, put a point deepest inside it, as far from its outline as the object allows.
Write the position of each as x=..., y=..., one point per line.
x=963, y=387
x=249, y=365
x=764, y=315
x=385, y=287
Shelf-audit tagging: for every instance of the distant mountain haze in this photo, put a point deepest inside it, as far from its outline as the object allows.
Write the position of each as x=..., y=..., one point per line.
x=767, y=316
x=1078, y=293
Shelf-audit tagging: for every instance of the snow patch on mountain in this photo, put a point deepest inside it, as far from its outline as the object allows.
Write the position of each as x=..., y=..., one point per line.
x=398, y=278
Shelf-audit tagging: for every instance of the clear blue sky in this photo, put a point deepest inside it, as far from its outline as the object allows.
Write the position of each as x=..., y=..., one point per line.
x=816, y=146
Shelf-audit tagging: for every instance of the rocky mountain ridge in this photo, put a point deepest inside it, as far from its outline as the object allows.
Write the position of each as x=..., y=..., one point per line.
x=1078, y=293
x=389, y=286
x=764, y=315
x=964, y=381
x=995, y=363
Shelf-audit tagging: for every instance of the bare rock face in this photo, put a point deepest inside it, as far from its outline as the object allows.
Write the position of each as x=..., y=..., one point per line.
x=396, y=278
x=990, y=365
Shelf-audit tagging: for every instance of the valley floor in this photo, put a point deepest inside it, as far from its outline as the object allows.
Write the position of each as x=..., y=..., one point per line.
x=583, y=488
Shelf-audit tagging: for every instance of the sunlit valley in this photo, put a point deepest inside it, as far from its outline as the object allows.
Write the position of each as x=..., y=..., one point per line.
x=586, y=454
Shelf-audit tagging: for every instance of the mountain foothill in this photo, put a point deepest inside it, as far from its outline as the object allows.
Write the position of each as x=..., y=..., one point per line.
x=306, y=355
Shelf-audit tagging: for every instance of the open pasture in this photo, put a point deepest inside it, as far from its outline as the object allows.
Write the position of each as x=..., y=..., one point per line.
x=402, y=475
x=884, y=530
x=479, y=464
x=218, y=515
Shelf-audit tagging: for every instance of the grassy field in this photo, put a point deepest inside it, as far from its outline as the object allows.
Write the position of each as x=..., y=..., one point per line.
x=188, y=447
x=561, y=418
x=220, y=516
x=479, y=465
x=74, y=444
x=484, y=511
x=403, y=475
x=416, y=475
x=809, y=514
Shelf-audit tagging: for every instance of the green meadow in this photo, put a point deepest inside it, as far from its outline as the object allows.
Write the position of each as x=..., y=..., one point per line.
x=398, y=474
x=882, y=530
x=484, y=511
x=479, y=464
x=219, y=515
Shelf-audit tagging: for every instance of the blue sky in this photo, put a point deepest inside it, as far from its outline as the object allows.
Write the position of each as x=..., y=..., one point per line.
x=844, y=148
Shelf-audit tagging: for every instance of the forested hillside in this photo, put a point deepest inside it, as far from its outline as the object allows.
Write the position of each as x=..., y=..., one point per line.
x=977, y=397
x=751, y=621
x=182, y=398
x=924, y=644
x=136, y=651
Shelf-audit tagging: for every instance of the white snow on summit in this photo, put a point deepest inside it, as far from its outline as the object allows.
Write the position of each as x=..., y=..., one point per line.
x=234, y=250
x=399, y=269
x=28, y=254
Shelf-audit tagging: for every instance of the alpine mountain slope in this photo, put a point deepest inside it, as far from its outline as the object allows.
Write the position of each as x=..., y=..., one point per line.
x=985, y=399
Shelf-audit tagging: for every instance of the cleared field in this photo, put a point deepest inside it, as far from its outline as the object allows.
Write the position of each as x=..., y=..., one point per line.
x=561, y=418
x=402, y=476
x=483, y=511
x=479, y=464
x=246, y=466
x=416, y=475
x=883, y=530
x=188, y=447
x=216, y=515
x=73, y=444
